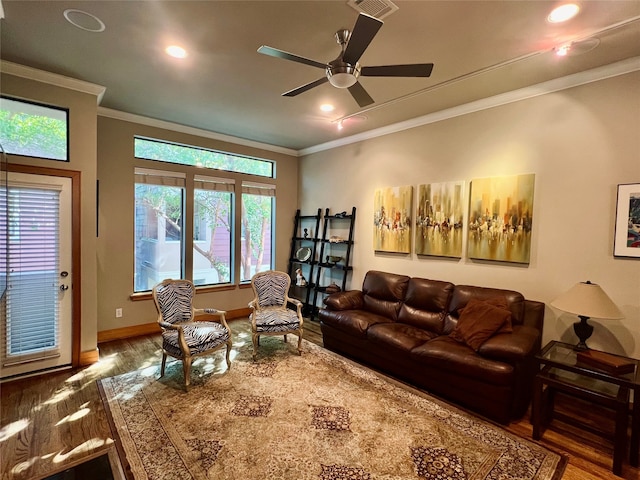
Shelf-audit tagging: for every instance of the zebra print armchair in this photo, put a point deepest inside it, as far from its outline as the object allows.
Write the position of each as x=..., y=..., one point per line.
x=270, y=315
x=182, y=337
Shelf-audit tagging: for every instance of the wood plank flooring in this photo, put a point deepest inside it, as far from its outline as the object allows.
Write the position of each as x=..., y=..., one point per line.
x=50, y=423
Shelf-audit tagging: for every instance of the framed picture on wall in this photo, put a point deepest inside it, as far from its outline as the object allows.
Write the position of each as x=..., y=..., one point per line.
x=392, y=219
x=439, y=219
x=501, y=218
x=627, y=235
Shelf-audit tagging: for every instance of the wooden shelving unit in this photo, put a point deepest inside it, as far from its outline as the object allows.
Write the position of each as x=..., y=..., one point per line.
x=303, y=256
x=336, y=241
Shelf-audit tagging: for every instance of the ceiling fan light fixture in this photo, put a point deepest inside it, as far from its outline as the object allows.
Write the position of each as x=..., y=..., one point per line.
x=342, y=80
x=343, y=76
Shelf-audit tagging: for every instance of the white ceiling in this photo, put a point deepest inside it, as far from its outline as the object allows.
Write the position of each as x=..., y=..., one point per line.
x=479, y=48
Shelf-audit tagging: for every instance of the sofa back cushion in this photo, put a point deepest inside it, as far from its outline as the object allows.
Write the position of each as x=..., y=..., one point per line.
x=383, y=293
x=463, y=293
x=425, y=304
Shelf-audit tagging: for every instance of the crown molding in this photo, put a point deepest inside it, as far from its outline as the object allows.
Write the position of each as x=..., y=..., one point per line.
x=176, y=127
x=30, y=73
x=588, y=76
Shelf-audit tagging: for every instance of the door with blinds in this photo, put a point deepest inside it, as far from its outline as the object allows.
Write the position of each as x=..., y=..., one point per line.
x=37, y=321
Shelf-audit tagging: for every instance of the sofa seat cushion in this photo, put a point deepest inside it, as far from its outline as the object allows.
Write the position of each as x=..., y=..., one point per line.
x=399, y=336
x=448, y=355
x=514, y=347
x=353, y=322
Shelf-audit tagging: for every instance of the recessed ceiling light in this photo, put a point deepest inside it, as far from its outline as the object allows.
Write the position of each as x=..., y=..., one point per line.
x=84, y=20
x=327, y=107
x=176, y=51
x=563, y=13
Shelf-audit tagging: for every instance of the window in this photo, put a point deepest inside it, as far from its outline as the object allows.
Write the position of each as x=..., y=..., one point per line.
x=161, y=199
x=159, y=245
x=212, y=230
x=199, y=157
x=257, y=226
x=34, y=130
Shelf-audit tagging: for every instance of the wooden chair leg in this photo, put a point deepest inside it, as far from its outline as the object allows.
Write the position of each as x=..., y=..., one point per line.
x=163, y=364
x=300, y=342
x=285, y=338
x=186, y=368
x=255, y=339
x=228, y=353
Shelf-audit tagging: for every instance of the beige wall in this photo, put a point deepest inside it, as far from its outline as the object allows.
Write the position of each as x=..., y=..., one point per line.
x=116, y=165
x=580, y=143
x=83, y=109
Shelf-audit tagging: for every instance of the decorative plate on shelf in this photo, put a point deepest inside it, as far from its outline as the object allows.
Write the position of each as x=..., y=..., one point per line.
x=303, y=254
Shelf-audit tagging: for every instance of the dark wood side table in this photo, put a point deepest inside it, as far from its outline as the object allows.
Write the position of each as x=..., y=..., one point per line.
x=560, y=371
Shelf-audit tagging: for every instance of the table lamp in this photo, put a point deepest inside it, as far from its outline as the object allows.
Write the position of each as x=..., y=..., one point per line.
x=586, y=299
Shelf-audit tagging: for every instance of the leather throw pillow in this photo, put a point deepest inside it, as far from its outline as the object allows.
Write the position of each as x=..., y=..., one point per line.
x=479, y=321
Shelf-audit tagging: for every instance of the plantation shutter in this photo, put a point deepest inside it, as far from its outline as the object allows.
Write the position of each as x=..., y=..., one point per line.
x=32, y=313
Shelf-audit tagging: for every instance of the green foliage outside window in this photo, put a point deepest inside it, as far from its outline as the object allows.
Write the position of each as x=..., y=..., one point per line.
x=199, y=157
x=33, y=130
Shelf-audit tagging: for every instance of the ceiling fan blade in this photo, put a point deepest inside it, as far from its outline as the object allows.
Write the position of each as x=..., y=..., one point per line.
x=304, y=88
x=274, y=52
x=363, y=32
x=360, y=95
x=413, y=70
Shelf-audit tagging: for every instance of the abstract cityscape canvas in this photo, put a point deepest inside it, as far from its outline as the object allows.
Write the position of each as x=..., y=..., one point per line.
x=439, y=219
x=392, y=219
x=501, y=218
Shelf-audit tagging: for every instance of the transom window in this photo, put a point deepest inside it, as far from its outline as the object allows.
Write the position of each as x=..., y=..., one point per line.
x=150, y=149
x=34, y=130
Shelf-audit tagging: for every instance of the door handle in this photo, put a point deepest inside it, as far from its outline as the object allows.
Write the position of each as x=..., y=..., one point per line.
x=64, y=287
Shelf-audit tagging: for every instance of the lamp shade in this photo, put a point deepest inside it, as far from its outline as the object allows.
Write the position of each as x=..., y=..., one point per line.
x=588, y=300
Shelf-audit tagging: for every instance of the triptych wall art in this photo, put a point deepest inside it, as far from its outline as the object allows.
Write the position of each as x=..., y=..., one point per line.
x=439, y=217
x=392, y=219
x=499, y=221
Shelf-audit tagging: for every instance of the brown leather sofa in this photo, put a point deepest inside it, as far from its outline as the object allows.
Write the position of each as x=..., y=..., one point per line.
x=403, y=326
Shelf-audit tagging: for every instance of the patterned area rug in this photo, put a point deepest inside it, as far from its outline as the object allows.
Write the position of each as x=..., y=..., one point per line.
x=315, y=416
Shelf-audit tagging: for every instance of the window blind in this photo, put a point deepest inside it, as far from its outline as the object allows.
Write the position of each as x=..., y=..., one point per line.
x=201, y=182
x=159, y=177
x=32, y=314
x=264, y=189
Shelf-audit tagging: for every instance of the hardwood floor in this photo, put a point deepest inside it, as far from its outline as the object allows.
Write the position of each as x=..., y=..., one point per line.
x=50, y=423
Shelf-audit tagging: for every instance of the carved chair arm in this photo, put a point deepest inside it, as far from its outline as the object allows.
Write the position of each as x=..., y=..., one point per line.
x=212, y=311
x=171, y=326
x=168, y=326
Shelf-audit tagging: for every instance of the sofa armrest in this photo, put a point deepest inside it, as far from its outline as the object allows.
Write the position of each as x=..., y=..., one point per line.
x=512, y=347
x=347, y=300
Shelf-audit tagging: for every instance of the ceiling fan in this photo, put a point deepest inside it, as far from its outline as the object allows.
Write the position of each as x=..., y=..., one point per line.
x=344, y=71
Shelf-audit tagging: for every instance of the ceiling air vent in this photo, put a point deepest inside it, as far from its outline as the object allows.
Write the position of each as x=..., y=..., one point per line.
x=375, y=8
